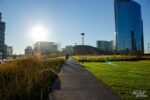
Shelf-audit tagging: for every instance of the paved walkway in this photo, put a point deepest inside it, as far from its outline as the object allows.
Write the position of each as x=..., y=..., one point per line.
x=76, y=83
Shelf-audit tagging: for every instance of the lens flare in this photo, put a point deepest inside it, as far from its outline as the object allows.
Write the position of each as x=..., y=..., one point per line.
x=39, y=33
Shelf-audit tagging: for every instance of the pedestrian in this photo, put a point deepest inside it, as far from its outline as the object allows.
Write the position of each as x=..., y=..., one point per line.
x=67, y=57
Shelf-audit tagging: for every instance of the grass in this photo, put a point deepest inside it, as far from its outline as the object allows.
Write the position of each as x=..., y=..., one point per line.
x=28, y=78
x=124, y=77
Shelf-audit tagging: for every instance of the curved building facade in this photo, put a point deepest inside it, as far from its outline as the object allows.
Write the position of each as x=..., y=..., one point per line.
x=129, y=27
x=85, y=50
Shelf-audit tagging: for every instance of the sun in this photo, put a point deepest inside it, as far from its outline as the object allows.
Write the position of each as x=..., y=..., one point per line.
x=39, y=33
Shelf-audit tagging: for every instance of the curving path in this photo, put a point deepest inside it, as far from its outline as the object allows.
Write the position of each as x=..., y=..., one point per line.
x=76, y=83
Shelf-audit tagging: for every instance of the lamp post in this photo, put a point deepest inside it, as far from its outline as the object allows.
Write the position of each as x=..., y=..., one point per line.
x=82, y=34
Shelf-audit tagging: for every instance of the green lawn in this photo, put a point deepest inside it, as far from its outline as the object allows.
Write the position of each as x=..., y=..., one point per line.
x=124, y=77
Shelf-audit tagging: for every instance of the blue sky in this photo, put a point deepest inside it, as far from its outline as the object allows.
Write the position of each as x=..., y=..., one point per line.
x=65, y=20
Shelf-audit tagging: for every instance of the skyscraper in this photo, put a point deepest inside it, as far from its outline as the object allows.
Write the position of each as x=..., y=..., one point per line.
x=129, y=27
x=2, y=37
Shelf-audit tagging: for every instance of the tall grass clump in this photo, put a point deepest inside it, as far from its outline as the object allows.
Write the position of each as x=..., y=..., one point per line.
x=28, y=78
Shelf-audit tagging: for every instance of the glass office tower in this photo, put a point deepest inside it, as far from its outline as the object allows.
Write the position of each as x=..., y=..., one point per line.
x=2, y=37
x=129, y=27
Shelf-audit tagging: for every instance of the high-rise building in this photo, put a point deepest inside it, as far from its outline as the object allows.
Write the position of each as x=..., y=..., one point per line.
x=129, y=27
x=2, y=37
x=45, y=48
x=105, y=46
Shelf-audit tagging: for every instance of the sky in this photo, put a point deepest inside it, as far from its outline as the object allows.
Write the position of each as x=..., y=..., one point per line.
x=65, y=20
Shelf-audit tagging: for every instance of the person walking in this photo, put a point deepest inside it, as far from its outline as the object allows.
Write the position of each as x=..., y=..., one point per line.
x=67, y=57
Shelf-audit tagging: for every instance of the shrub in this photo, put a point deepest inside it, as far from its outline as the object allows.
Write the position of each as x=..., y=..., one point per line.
x=110, y=58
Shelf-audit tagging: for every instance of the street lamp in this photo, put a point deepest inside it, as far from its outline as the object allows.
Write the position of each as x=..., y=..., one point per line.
x=82, y=34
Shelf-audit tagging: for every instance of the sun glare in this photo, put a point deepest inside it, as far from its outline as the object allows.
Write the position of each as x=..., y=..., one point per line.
x=39, y=33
